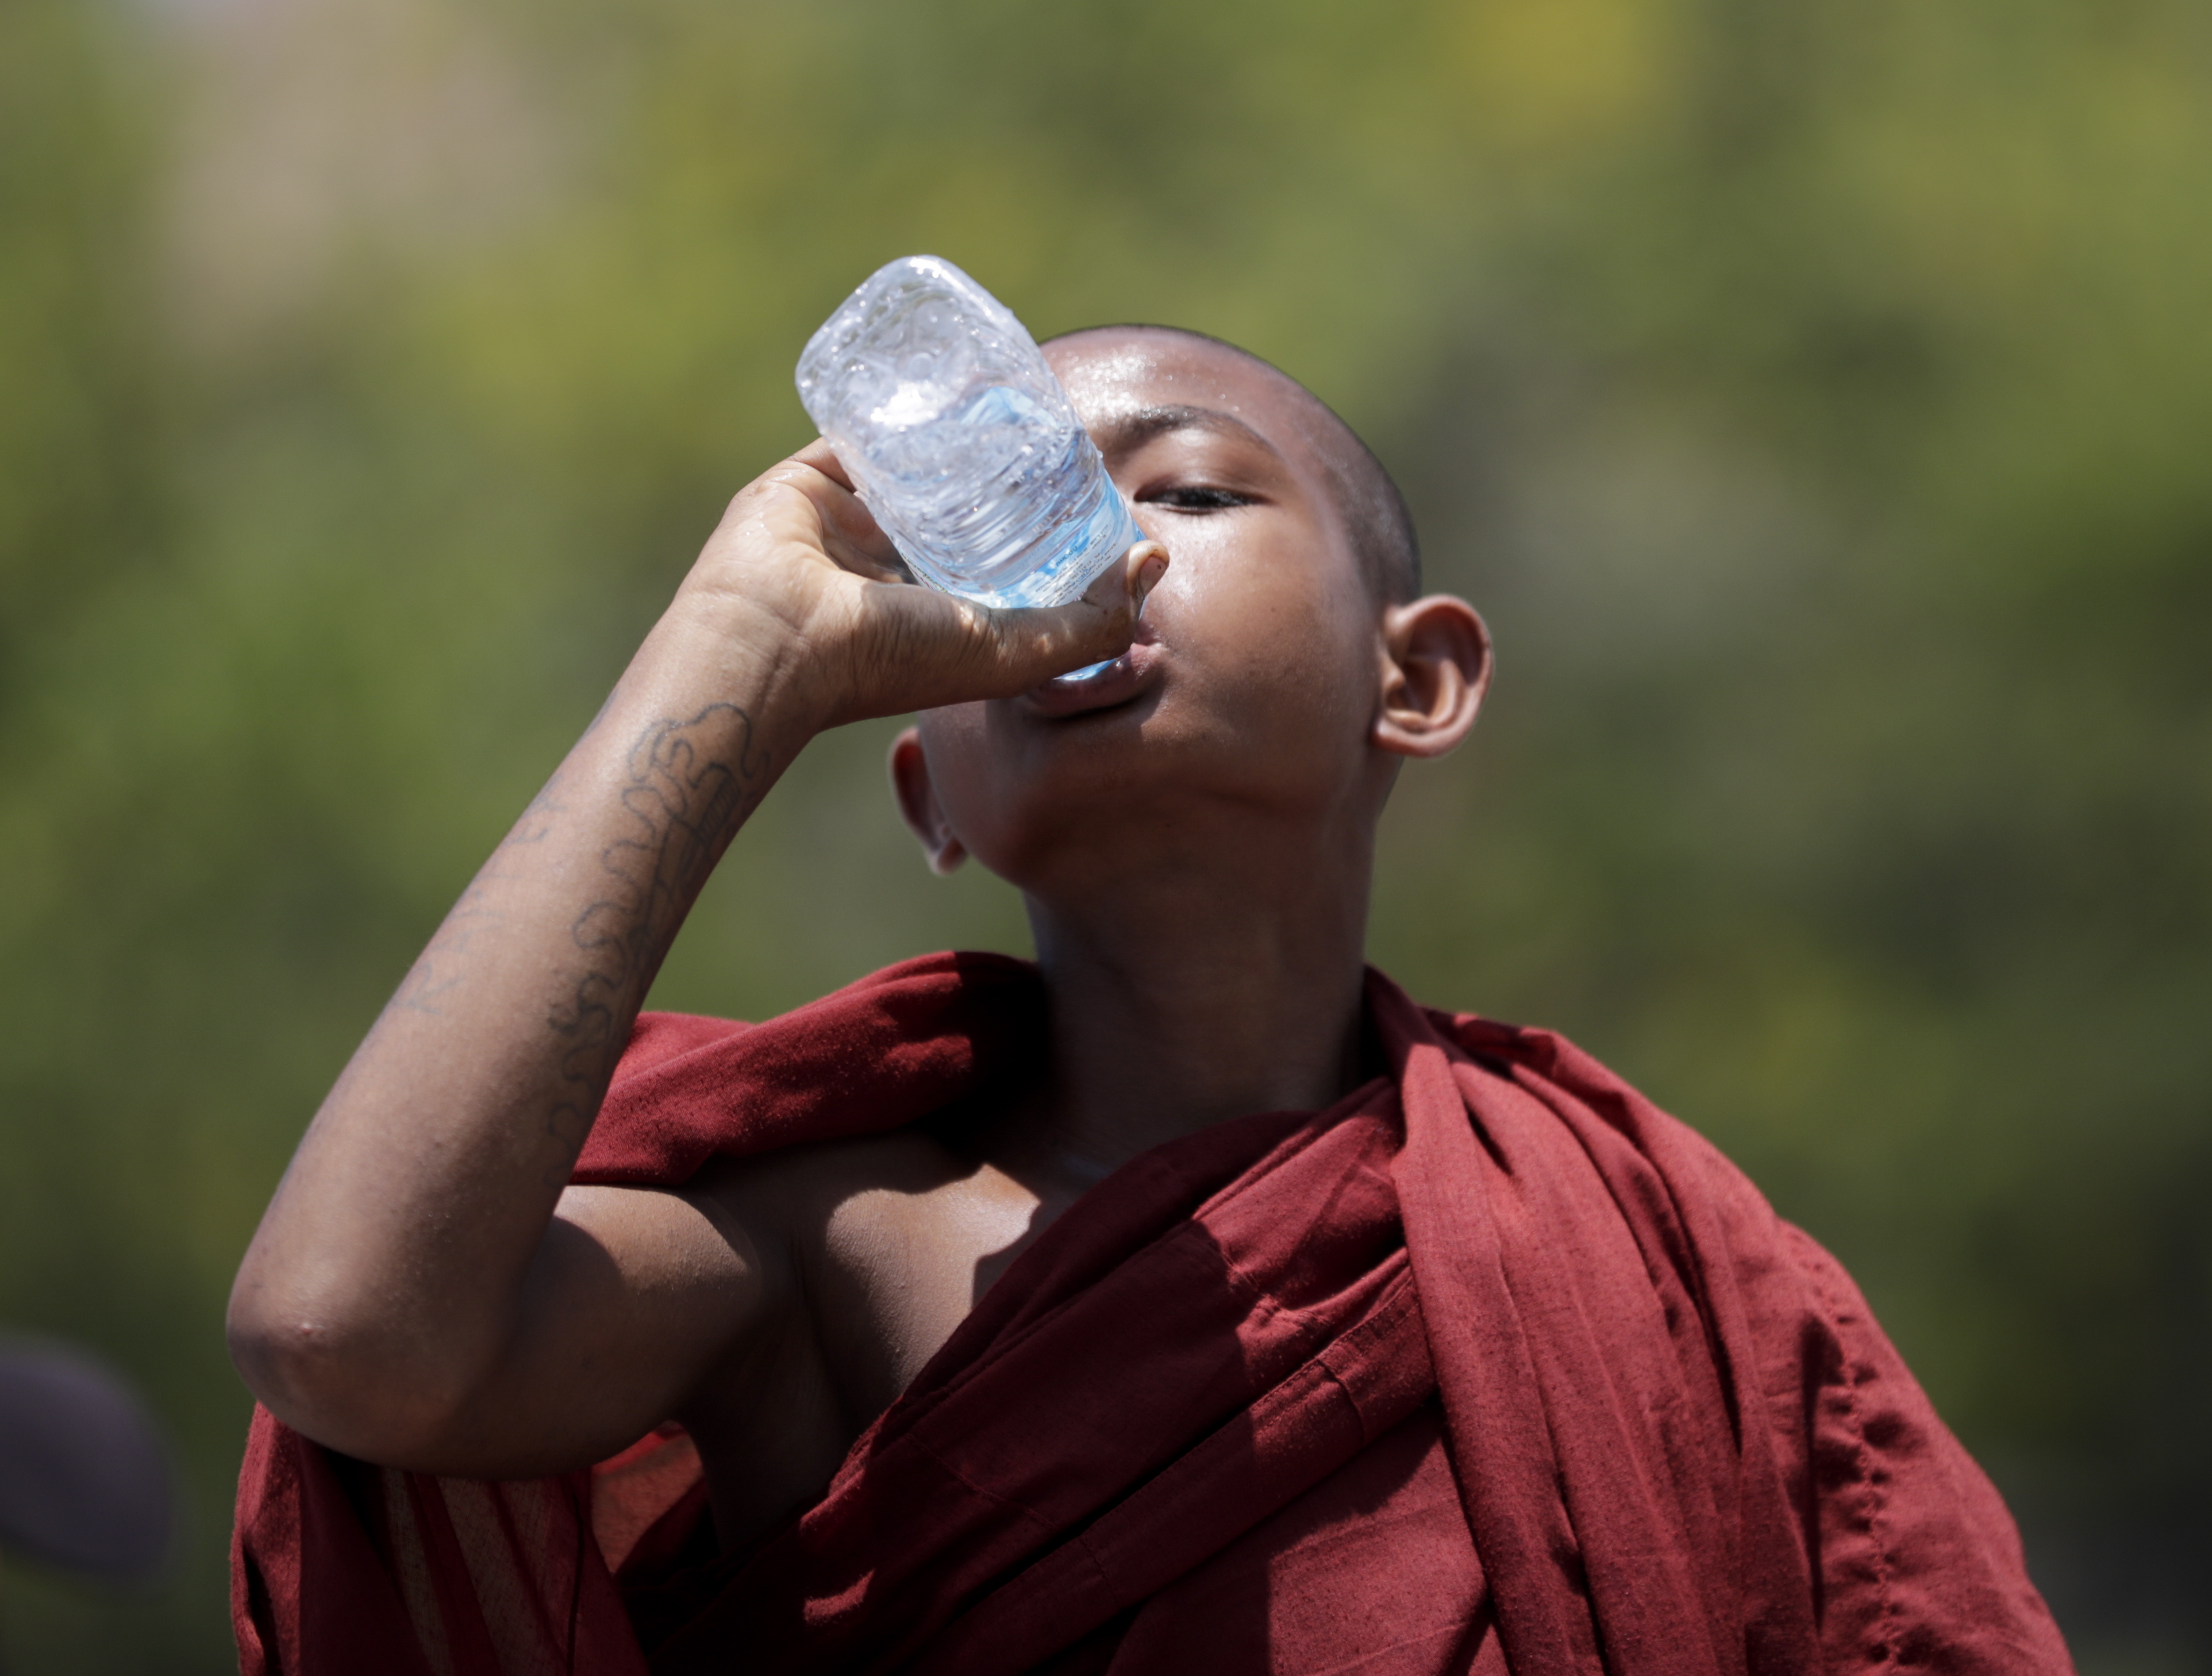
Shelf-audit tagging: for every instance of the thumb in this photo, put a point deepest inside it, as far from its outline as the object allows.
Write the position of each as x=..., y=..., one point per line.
x=1037, y=643
x=917, y=649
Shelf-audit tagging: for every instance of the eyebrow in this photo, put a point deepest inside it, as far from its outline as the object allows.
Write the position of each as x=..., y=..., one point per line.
x=1128, y=431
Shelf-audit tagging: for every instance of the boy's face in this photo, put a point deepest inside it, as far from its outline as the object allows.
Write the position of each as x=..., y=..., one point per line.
x=1254, y=684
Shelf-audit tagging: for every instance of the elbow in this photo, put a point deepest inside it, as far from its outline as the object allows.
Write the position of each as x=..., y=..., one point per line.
x=350, y=1389
x=283, y=1356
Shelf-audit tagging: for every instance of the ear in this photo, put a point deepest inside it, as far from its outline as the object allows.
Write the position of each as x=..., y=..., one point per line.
x=1436, y=668
x=917, y=802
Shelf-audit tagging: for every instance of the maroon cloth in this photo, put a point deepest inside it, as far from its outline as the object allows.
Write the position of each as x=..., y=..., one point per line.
x=1491, y=1366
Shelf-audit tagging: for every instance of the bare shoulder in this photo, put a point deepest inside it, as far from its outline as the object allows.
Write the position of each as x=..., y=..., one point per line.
x=872, y=1251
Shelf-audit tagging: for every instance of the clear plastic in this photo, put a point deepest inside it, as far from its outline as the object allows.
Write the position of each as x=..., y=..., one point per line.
x=961, y=440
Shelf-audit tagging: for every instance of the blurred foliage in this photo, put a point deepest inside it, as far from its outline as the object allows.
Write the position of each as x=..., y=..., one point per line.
x=1813, y=393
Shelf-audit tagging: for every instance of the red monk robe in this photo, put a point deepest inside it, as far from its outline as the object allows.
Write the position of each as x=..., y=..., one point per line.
x=1491, y=1366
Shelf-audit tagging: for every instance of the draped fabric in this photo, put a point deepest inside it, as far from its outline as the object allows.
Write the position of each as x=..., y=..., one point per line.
x=1491, y=1366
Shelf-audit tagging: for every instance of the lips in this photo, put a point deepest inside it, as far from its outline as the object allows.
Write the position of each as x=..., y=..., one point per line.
x=1113, y=684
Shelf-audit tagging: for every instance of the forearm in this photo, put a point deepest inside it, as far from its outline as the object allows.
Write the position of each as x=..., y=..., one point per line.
x=386, y=1274
x=384, y=1303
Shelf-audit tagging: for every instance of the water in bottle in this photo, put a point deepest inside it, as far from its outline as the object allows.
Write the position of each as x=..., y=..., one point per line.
x=960, y=440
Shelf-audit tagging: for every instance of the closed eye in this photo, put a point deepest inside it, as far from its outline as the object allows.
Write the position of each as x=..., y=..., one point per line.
x=1190, y=497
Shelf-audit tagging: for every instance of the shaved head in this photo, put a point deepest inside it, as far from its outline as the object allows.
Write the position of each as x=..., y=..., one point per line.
x=1374, y=514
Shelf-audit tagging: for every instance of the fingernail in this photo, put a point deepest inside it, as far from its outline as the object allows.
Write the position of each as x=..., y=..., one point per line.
x=1148, y=578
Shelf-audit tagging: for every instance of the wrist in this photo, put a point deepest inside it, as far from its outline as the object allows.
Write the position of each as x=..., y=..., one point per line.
x=769, y=641
x=715, y=648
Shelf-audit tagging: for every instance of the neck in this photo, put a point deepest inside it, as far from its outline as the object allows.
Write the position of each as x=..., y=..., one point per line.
x=1199, y=992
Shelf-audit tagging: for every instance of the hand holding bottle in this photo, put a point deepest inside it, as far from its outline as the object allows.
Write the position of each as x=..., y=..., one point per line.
x=800, y=576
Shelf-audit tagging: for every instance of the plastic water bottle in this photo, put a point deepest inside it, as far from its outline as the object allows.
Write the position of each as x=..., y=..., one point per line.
x=961, y=440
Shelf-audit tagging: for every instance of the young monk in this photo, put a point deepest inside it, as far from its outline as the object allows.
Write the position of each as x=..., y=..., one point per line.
x=1189, y=1300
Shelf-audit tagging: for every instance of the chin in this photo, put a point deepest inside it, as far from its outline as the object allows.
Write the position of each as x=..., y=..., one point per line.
x=1123, y=802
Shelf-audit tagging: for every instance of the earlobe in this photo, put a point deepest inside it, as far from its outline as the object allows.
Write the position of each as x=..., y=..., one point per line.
x=1435, y=669
x=919, y=807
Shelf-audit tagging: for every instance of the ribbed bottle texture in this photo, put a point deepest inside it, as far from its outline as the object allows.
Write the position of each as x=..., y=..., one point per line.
x=961, y=440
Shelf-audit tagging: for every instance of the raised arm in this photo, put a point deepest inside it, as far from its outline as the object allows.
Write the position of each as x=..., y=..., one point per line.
x=419, y=1292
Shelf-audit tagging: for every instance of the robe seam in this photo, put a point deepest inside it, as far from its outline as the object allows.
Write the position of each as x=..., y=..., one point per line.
x=1856, y=1373
x=996, y=1497
x=1368, y=1657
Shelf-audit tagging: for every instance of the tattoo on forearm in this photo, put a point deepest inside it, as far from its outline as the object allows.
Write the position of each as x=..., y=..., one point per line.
x=684, y=804
x=688, y=786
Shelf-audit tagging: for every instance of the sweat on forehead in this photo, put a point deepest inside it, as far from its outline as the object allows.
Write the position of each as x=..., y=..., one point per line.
x=1374, y=514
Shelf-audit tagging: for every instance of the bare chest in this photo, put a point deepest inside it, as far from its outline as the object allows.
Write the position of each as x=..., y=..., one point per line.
x=898, y=1271
x=889, y=1246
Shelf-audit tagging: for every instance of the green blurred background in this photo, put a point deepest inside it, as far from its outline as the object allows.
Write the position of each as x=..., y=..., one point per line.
x=1814, y=392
